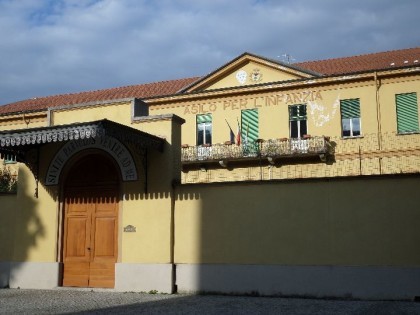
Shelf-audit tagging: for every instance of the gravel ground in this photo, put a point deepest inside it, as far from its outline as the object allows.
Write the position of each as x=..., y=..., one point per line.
x=73, y=301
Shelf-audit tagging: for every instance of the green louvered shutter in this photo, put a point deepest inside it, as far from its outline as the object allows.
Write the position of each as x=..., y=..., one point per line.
x=350, y=108
x=407, y=113
x=206, y=118
x=249, y=125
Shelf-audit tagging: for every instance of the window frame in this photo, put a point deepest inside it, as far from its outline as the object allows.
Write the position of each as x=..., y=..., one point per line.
x=206, y=125
x=351, y=119
x=416, y=110
x=250, y=132
x=300, y=117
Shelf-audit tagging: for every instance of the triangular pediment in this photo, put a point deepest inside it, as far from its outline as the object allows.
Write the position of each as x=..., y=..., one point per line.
x=249, y=69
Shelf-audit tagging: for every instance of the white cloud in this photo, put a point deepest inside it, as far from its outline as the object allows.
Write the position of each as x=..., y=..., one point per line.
x=51, y=47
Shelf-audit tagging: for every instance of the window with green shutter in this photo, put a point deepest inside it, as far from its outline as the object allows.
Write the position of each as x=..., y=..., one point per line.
x=249, y=131
x=204, y=129
x=350, y=117
x=249, y=120
x=407, y=112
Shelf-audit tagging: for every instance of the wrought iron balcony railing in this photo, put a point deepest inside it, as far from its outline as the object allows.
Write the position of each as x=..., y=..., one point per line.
x=272, y=150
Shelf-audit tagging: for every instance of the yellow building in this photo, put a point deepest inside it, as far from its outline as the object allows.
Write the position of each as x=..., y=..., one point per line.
x=260, y=178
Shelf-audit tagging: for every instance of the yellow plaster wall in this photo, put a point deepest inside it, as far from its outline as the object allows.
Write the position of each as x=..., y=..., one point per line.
x=23, y=121
x=327, y=222
x=150, y=213
x=119, y=112
x=323, y=111
x=8, y=209
x=34, y=237
x=389, y=88
x=323, y=108
x=35, y=227
x=210, y=220
x=368, y=154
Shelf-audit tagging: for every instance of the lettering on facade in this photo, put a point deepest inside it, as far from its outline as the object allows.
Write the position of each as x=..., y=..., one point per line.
x=108, y=144
x=254, y=102
x=317, y=111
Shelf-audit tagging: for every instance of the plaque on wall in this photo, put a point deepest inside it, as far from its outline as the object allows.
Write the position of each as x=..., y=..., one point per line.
x=130, y=228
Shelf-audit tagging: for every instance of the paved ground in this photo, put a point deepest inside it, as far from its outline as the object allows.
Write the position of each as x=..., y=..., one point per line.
x=63, y=301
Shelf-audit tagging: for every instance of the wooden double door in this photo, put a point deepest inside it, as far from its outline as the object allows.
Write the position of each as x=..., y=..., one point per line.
x=90, y=246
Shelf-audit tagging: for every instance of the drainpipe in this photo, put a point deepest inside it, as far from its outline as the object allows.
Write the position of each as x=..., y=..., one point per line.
x=172, y=236
x=378, y=117
x=49, y=118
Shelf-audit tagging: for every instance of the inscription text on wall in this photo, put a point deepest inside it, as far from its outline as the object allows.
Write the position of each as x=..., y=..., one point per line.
x=108, y=144
x=254, y=102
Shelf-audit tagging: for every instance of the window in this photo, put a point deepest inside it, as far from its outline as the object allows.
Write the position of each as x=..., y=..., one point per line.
x=204, y=129
x=249, y=122
x=297, y=121
x=140, y=108
x=407, y=113
x=249, y=131
x=350, y=117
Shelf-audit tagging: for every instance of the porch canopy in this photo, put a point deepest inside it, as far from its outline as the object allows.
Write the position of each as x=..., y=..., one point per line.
x=14, y=144
x=24, y=145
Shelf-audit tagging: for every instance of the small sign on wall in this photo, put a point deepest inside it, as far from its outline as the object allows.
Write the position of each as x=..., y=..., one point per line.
x=130, y=228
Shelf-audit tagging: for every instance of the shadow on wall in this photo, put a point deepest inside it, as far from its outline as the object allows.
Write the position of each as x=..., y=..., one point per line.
x=21, y=228
x=298, y=238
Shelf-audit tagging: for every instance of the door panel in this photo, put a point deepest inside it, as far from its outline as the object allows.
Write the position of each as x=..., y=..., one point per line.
x=76, y=274
x=104, y=253
x=102, y=274
x=104, y=238
x=90, y=244
x=77, y=230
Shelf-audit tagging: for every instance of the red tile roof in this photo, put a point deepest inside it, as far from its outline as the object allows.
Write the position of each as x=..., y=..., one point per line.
x=375, y=61
x=137, y=91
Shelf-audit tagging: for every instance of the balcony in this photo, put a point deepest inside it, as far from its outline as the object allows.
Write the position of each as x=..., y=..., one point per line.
x=271, y=150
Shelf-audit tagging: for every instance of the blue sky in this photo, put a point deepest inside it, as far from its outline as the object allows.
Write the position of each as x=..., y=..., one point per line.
x=66, y=46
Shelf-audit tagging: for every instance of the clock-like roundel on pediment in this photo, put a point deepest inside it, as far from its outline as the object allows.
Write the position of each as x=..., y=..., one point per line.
x=255, y=76
x=241, y=76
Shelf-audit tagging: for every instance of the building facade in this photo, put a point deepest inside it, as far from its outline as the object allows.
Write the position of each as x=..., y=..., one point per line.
x=260, y=178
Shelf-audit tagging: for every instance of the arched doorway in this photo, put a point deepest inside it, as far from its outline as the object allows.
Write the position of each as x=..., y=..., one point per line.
x=90, y=236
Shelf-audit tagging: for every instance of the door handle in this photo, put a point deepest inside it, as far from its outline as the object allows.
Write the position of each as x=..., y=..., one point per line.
x=88, y=248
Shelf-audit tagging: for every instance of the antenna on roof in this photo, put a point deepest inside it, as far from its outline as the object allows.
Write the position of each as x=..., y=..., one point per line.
x=287, y=58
